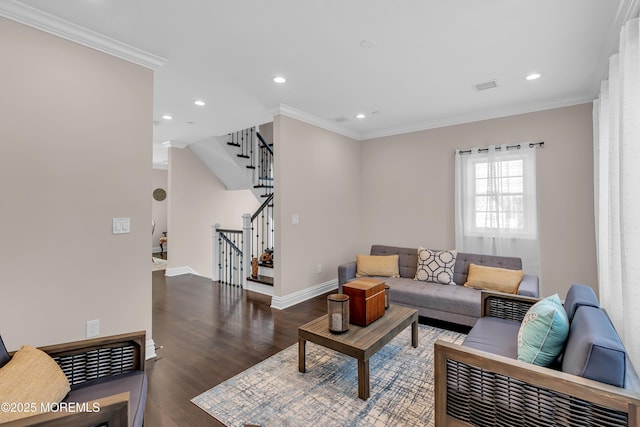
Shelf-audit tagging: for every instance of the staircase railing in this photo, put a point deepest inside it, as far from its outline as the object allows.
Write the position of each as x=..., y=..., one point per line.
x=262, y=230
x=245, y=140
x=235, y=249
x=265, y=166
x=230, y=259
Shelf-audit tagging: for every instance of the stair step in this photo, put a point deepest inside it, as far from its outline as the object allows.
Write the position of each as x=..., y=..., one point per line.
x=250, y=167
x=266, y=195
x=234, y=144
x=265, y=265
x=266, y=178
x=261, y=279
x=263, y=186
x=243, y=156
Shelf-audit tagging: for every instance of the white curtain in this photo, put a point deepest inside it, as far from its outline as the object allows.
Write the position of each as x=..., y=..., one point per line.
x=617, y=189
x=495, y=203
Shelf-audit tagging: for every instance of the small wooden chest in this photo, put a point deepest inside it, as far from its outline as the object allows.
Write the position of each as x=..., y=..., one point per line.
x=366, y=300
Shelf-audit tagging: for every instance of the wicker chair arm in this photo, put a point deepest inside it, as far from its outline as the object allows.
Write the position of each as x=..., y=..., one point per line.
x=89, y=359
x=474, y=387
x=505, y=306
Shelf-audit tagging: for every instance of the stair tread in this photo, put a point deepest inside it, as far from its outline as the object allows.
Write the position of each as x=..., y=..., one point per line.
x=233, y=144
x=262, y=186
x=261, y=264
x=265, y=280
x=243, y=156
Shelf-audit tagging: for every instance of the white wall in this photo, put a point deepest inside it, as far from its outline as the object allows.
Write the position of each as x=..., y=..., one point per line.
x=197, y=199
x=317, y=178
x=76, y=136
x=407, y=188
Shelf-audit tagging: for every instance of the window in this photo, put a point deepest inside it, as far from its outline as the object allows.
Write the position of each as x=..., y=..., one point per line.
x=495, y=203
x=499, y=195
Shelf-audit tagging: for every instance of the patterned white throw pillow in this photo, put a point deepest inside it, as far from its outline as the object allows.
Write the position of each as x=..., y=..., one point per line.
x=436, y=266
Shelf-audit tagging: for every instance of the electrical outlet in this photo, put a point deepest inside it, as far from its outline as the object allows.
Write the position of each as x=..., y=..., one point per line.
x=93, y=328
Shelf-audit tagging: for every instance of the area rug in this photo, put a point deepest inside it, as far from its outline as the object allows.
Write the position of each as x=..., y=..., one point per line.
x=274, y=393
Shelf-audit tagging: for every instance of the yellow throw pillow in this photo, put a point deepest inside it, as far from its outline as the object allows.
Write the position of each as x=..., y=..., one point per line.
x=494, y=278
x=29, y=382
x=377, y=265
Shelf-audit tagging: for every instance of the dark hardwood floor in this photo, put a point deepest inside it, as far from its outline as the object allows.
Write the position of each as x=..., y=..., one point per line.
x=206, y=333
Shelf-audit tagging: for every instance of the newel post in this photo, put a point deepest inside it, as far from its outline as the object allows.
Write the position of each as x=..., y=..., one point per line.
x=246, y=247
x=215, y=255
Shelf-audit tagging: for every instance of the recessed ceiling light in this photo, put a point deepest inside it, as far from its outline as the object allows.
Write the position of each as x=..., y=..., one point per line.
x=167, y=117
x=279, y=79
x=533, y=76
x=200, y=103
x=360, y=116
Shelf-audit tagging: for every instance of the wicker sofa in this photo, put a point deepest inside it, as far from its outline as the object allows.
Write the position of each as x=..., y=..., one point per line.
x=451, y=303
x=482, y=383
x=107, y=379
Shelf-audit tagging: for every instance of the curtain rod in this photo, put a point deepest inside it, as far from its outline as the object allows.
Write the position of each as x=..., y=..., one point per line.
x=508, y=147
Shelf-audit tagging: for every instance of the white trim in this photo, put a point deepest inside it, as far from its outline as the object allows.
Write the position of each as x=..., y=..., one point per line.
x=177, y=271
x=497, y=113
x=150, y=349
x=294, y=113
x=478, y=116
x=52, y=24
x=280, y=303
x=175, y=144
x=259, y=288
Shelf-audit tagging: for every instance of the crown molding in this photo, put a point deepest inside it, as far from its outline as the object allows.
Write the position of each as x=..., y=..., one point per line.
x=52, y=24
x=478, y=116
x=294, y=113
x=429, y=124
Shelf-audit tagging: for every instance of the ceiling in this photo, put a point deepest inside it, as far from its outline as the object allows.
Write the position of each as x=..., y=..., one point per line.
x=405, y=64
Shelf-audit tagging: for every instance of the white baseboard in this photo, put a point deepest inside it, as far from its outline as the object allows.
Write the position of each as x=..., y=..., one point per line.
x=177, y=271
x=280, y=303
x=150, y=349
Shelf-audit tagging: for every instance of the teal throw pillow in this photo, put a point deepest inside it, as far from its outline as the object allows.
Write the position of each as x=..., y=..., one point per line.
x=543, y=332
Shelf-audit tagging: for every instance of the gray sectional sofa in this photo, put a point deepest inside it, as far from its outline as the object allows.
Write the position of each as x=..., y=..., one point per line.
x=481, y=382
x=451, y=303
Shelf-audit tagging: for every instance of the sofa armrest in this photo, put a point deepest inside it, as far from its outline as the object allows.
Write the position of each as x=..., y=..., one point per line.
x=473, y=386
x=346, y=272
x=505, y=306
x=529, y=286
x=112, y=411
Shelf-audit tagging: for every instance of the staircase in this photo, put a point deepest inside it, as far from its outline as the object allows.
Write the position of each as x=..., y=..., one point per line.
x=236, y=249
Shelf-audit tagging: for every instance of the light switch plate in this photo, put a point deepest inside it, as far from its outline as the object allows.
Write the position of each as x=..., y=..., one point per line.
x=295, y=219
x=121, y=225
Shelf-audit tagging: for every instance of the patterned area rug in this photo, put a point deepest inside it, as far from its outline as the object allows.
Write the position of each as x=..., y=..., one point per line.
x=274, y=393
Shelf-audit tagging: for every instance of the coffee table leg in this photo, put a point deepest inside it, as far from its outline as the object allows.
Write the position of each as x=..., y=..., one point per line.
x=301, y=354
x=363, y=379
x=414, y=334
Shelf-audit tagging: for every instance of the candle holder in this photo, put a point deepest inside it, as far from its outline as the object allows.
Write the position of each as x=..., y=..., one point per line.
x=338, y=307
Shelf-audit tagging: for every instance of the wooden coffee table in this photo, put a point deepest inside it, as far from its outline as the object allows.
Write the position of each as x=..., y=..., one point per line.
x=359, y=342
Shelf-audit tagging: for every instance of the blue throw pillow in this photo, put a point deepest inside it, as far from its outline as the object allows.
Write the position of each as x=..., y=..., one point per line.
x=543, y=332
